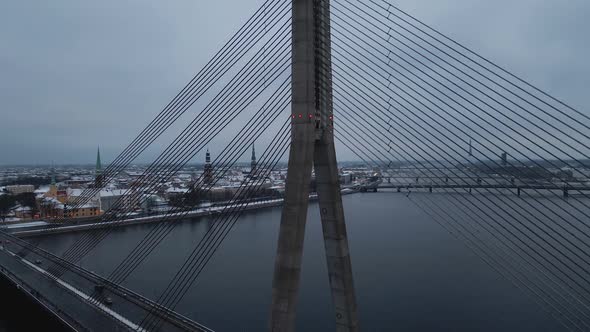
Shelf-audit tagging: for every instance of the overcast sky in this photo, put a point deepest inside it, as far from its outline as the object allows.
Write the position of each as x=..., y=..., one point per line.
x=78, y=74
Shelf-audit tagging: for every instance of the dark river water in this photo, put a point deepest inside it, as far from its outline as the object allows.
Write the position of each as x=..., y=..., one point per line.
x=410, y=274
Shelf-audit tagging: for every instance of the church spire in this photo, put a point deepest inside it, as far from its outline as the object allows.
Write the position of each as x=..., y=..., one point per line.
x=253, y=162
x=208, y=170
x=53, y=187
x=98, y=169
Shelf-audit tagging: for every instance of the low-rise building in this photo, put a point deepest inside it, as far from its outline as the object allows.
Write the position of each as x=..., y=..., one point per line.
x=23, y=212
x=52, y=208
x=20, y=189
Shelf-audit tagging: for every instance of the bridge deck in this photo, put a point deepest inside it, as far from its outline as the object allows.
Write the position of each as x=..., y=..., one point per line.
x=69, y=297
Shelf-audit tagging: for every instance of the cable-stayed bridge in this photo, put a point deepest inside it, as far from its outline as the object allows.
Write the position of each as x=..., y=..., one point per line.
x=307, y=76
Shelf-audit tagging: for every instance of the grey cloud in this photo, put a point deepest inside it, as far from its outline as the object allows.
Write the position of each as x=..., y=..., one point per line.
x=75, y=74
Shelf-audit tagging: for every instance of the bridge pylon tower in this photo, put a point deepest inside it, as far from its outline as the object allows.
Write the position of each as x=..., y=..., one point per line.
x=312, y=146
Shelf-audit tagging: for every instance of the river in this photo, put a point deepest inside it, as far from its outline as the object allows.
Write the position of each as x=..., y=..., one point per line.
x=410, y=274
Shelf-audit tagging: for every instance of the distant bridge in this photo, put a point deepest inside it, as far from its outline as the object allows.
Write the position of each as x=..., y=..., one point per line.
x=564, y=190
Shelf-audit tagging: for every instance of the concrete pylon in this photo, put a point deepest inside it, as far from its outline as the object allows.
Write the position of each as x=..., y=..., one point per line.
x=312, y=143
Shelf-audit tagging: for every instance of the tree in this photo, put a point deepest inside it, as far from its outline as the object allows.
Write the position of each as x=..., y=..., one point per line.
x=26, y=199
x=6, y=203
x=36, y=181
x=188, y=200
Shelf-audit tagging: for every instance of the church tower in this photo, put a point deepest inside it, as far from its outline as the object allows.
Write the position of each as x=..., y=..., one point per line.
x=253, y=162
x=98, y=170
x=53, y=186
x=208, y=170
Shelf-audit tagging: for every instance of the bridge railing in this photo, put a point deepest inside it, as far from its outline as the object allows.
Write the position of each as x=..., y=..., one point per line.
x=95, y=279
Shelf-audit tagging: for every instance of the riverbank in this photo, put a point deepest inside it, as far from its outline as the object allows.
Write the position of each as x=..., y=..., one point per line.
x=47, y=229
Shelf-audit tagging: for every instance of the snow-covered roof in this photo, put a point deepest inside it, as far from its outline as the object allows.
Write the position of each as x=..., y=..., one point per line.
x=130, y=173
x=103, y=193
x=177, y=190
x=88, y=206
x=112, y=192
x=52, y=200
x=75, y=192
x=42, y=190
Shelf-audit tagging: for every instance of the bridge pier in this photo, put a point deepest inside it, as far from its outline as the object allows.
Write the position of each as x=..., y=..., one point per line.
x=566, y=193
x=518, y=191
x=312, y=144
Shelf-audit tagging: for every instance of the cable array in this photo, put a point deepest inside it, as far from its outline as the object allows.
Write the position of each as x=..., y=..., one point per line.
x=221, y=226
x=246, y=86
x=225, y=162
x=404, y=97
x=271, y=13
